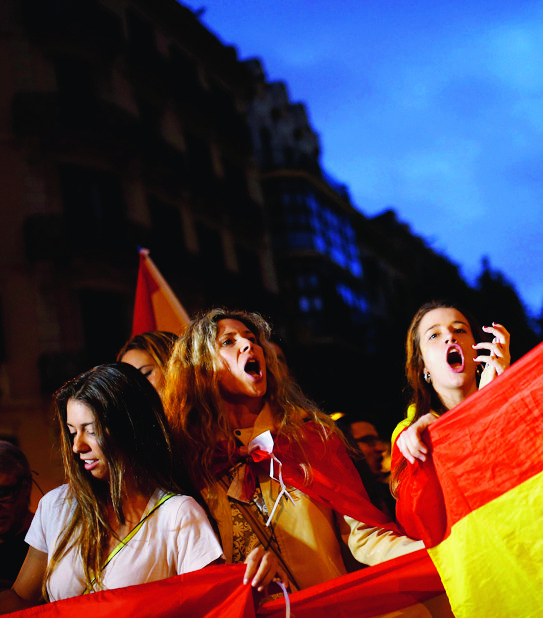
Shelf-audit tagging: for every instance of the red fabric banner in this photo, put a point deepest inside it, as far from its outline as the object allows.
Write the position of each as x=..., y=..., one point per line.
x=408, y=582
x=213, y=592
x=156, y=307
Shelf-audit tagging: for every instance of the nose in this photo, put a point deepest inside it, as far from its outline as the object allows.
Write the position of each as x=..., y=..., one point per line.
x=246, y=344
x=79, y=444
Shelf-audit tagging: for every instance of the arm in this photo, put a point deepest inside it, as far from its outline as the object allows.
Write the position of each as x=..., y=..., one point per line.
x=370, y=545
x=499, y=359
x=26, y=591
x=410, y=442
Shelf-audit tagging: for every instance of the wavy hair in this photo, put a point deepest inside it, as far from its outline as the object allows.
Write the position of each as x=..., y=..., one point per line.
x=132, y=432
x=194, y=405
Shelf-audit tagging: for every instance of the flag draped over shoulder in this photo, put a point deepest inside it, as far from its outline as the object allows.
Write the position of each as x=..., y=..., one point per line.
x=156, y=307
x=483, y=527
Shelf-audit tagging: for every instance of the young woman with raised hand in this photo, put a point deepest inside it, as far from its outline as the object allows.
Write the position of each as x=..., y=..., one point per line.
x=445, y=364
x=121, y=519
x=271, y=466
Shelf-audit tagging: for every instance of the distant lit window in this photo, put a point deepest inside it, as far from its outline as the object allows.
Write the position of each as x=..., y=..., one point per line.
x=355, y=300
x=312, y=224
x=310, y=304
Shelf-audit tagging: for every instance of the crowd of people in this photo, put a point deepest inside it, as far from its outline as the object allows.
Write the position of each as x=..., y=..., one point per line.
x=202, y=449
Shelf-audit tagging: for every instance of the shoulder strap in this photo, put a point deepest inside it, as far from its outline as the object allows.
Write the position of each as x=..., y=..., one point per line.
x=129, y=536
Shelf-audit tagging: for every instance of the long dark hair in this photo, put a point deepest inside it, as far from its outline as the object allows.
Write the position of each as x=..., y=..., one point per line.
x=132, y=432
x=423, y=395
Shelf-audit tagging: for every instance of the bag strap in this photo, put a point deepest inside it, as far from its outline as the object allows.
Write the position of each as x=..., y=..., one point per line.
x=128, y=537
x=263, y=534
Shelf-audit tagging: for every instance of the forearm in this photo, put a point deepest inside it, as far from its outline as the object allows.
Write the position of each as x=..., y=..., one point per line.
x=10, y=601
x=371, y=545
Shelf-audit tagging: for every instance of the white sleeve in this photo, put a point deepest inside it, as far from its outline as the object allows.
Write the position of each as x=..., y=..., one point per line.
x=36, y=536
x=197, y=544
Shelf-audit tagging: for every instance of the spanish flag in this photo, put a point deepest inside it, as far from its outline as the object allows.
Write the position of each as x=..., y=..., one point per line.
x=156, y=306
x=483, y=520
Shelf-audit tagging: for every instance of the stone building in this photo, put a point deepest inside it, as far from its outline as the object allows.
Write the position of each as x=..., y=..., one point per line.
x=122, y=125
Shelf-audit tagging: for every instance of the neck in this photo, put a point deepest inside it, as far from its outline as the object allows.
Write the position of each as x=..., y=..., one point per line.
x=242, y=414
x=451, y=398
x=134, y=502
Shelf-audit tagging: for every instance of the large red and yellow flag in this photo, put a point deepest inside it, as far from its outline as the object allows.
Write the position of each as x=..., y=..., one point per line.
x=481, y=513
x=156, y=306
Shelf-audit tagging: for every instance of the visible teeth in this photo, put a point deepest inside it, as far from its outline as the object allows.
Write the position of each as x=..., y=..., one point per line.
x=454, y=357
x=252, y=366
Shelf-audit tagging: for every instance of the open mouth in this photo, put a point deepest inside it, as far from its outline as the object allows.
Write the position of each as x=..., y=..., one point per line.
x=252, y=367
x=89, y=463
x=455, y=358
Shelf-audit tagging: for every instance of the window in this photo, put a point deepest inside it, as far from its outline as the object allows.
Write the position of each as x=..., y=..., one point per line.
x=167, y=231
x=308, y=223
x=93, y=206
x=353, y=299
x=104, y=324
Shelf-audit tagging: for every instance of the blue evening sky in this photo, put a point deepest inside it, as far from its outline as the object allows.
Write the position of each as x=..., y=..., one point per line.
x=432, y=108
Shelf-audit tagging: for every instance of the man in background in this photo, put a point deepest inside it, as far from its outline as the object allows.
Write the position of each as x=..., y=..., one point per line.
x=377, y=455
x=369, y=442
x=15, y=515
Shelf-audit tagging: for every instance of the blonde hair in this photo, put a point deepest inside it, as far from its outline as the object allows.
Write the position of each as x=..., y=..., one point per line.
x=194, y=405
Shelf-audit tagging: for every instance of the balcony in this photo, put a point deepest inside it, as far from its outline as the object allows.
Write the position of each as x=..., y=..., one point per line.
x=163, y=164
x=45, y=237
x=77, y=26
x=46, y=114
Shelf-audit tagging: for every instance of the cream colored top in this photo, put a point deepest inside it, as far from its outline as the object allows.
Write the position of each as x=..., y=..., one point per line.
x=307, y=532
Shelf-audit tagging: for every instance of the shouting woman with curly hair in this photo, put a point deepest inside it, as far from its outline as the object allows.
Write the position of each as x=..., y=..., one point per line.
x=271, y=466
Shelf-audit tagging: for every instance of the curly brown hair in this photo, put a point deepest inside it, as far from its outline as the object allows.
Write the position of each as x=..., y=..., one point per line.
x=194, y=405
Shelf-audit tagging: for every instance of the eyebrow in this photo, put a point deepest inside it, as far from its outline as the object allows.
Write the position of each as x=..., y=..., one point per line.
x=235, y=332
x=453, y=323
x=82, y=424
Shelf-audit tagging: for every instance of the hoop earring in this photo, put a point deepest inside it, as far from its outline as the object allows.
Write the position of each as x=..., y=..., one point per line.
x=427, y=377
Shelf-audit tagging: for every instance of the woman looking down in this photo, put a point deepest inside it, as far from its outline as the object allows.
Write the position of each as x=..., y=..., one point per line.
x=121, y=519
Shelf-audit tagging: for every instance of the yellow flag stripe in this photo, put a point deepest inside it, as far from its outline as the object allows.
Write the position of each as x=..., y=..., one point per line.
x=492, y=562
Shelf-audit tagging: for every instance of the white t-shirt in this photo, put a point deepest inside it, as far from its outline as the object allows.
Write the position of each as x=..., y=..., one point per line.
x=177, y=538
